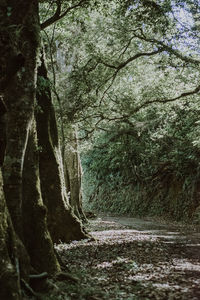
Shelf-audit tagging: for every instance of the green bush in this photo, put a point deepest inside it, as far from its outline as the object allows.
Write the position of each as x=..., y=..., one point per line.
x=152, y=169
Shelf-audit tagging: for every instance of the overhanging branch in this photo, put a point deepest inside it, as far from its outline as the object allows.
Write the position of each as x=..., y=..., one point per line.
x=59, y=15
x=167, y=48
x=132, y=58
x=124, y=64
x=189, y=93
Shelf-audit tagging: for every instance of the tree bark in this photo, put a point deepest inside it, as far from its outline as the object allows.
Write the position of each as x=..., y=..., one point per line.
x=62, y=223
x=19, y=45
x=2, y=130
x=14, y=260
x=26, y=245
x=73, y=173
x=20, y=32
x=9, y=281
x=36, y=236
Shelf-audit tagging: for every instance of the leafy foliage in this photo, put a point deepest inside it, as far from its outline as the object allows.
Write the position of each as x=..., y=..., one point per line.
x=127, y=72
x=152, y=168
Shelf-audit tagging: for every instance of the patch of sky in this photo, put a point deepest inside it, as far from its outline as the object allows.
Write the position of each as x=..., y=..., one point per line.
x=187, y=41
x=184, y=17
x=130, y=7
x=130, y=78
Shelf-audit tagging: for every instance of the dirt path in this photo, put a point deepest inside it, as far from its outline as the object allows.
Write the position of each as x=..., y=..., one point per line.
x=188, y=235
x=133, y=259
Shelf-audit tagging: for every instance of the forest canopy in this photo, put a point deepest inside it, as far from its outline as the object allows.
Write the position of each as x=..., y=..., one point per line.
x=131, y=87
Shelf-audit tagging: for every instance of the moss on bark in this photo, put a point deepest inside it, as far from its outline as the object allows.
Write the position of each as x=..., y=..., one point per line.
x=14, y=260
x=36, y=236
x=20, y=34
x=62, y=223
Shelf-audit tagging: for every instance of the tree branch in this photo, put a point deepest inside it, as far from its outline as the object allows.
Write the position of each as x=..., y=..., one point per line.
x=167, y=48
x=54, y=18
x=195, y=91
x=58, y=14
x=132, y=58
x=124, y=49
x=122, y=65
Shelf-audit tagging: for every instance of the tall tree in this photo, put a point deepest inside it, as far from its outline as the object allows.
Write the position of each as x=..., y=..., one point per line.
x=20, y=190
x=20, y=36
x=73, y=172
x=60, y=216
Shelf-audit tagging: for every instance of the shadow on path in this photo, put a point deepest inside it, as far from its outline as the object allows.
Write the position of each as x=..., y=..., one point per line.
x=134, y=259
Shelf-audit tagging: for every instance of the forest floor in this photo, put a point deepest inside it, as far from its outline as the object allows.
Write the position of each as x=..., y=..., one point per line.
x=132, y=259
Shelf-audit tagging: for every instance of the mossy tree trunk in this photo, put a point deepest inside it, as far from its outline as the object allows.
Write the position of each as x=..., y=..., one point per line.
x=20, y=251
x=36, y=235
x=73, y=172
x=9, y=253
x=9, y=259
x=26, y=244
x=62, y=223
x=20, y=31
x=69, y=147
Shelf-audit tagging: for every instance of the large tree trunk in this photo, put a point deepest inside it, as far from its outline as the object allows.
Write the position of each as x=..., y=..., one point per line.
x=9, y=278
x=26, y=245
x=69, y=149
x=73, y=173
x=36, y=236
x=62, y=223
x=19, y=45
x=21, y=33
x=9, y=258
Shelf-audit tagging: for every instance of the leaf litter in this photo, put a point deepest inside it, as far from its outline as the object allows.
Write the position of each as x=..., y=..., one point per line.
x=124, y=263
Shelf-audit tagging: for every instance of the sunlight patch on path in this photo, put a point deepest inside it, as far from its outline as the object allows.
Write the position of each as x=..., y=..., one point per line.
x=127, y=263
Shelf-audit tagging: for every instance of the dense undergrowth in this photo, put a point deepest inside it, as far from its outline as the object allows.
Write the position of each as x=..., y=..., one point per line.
x=150, y=167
